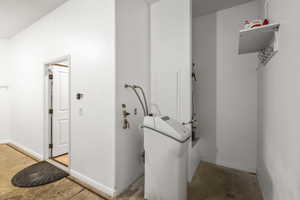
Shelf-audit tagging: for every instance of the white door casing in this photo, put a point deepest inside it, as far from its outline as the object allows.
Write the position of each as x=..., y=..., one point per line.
x=60, y=119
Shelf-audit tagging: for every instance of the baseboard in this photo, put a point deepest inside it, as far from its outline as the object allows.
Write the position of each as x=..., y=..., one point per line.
x=83, y=180
x=25, y=150
x=4, y=141
x=234, y=166
x=119, y=191
x=98, y=188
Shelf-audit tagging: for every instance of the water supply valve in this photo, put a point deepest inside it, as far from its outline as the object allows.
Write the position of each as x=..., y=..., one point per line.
x=125, y=114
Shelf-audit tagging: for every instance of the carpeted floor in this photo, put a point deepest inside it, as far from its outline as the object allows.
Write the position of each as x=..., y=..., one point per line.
x=210, y=183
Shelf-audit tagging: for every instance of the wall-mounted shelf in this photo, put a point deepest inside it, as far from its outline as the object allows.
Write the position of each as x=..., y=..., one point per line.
x=258, y=39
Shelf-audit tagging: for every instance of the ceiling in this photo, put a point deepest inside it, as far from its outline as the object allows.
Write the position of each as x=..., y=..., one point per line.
x=16, y=15
x=202, y=7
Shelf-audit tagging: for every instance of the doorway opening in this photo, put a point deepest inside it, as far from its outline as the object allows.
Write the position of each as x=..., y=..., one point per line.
x=58, y=111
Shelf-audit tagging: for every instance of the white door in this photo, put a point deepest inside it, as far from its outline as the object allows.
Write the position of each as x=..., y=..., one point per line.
x=60, y=120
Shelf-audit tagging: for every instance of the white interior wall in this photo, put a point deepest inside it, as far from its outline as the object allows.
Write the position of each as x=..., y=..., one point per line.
x=171, y=58
x=205, y=57
x=279, y=97
x=171, y=63
x=86, y=31
x=132, y=68
x=236, y=91
x=226, y=90
x=5, y=78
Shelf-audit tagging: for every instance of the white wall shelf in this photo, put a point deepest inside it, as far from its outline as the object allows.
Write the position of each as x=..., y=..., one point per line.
x=258, y=39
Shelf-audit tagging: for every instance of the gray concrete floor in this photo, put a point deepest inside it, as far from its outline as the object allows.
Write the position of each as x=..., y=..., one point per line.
x=219, y=183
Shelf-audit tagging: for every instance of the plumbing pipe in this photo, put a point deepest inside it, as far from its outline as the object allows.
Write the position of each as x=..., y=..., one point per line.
x=138, y=96
x=145, y=99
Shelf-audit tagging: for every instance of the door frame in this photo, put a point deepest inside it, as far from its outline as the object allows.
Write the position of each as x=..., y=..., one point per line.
x=47, y=120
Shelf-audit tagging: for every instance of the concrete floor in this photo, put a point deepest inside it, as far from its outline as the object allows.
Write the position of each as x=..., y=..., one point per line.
x=219, y=183
x=210, y=183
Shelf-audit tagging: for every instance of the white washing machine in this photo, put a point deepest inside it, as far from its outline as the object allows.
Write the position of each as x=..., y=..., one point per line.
x=166, y=158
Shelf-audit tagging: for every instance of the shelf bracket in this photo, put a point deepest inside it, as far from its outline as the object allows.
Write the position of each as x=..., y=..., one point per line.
x=266, y=54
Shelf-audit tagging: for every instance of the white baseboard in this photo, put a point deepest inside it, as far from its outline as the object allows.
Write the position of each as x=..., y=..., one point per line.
x=235, y=166
x=120, y=190
x=98, y=186
x=27, y=150
x=4, y=141
x=107, y=190
x=58, y=165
